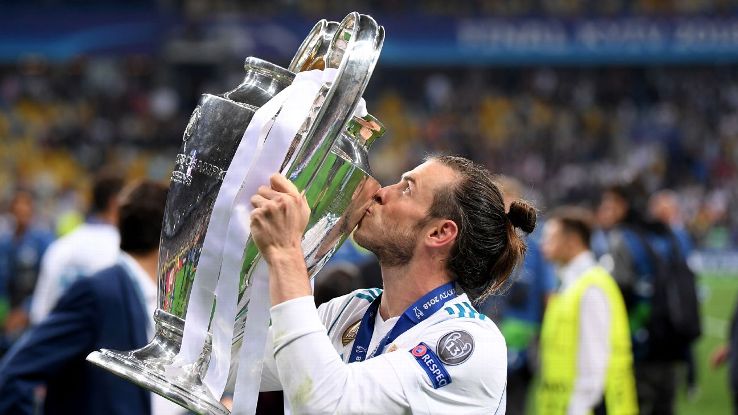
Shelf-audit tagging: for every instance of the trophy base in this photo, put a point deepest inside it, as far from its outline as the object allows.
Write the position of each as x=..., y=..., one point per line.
x=193, y=397
x=147, y=367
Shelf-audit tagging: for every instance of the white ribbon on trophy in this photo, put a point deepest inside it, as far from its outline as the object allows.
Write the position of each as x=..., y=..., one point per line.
x=268, y=160
x=261, y=152
x=248, y=378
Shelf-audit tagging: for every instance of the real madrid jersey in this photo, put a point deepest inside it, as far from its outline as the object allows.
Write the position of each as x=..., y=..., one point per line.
x=453, y=361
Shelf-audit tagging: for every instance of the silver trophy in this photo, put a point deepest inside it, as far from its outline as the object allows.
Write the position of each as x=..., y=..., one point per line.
x=327, y=160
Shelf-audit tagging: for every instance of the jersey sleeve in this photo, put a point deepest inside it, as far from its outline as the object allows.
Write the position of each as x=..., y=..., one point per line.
x=269, y=377
x=474, y=356
x=315, y=380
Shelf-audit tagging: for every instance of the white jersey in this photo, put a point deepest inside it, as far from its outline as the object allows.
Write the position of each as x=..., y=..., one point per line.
x=88, y=249
x=454, y=361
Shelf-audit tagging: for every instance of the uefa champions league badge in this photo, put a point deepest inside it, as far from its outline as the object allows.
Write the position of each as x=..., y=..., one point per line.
x=455, y=347
x=432, y=365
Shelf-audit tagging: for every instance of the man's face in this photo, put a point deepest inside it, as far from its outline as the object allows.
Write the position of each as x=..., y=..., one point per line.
x=612, y=210
x=392, y=226
x=665, y=208
x=22, y=209
x=554, y=242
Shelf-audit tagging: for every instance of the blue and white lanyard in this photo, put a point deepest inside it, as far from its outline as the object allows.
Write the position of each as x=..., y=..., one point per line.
x=417, y=312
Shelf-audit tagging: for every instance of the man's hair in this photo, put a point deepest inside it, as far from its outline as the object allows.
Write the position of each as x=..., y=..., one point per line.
x=487, y=246
x=574, y=220
x=106, y=186
x=141, y=213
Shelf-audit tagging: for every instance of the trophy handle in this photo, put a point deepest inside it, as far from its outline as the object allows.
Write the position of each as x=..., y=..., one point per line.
x=357, y=43
x=311, y=53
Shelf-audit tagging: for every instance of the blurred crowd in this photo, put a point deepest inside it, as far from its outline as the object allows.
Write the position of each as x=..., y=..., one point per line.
x=564, y=132
x=569, y=132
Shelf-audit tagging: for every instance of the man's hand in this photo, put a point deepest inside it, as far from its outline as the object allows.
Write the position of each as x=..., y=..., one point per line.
x=279, y=217
x=16, y=322
x=278, y=221
x=719, y=356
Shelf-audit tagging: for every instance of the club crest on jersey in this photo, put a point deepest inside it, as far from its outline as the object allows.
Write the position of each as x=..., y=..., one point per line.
x=455, y=347
x=350, y=334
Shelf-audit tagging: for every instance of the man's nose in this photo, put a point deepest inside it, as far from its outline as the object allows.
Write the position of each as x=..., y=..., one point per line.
x=380, y=196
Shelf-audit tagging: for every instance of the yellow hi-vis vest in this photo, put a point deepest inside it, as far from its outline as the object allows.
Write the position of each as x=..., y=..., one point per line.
x=559, y=344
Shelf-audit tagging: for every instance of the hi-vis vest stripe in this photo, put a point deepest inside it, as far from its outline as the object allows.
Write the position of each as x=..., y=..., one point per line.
x=559, y=343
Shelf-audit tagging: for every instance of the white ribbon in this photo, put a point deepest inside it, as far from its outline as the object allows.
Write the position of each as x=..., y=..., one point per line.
x=261, y=152
x=206, y=276
x=293, y=114
x=251, y=355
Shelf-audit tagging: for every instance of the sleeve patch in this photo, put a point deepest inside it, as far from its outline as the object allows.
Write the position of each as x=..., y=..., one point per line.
x=432, y=365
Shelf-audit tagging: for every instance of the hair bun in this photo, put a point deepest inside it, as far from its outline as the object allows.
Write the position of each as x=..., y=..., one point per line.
x=522, y=215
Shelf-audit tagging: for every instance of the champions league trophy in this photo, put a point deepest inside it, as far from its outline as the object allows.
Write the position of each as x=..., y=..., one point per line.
x=326, y=159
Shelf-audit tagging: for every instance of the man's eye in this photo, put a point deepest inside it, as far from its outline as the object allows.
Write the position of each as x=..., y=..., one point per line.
x=407, y=188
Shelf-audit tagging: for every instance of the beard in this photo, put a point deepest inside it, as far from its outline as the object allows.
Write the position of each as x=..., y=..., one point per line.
x=393, y=247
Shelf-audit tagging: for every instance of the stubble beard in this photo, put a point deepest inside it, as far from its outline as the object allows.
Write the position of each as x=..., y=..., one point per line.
x=393, y=247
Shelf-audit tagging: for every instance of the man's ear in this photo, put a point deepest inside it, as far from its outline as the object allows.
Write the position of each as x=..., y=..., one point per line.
x=443, y=233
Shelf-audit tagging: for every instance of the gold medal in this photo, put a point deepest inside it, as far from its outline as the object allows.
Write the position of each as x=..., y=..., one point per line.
x=350, y=334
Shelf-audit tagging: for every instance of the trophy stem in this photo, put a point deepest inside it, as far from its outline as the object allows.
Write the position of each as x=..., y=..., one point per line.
x=147, y=367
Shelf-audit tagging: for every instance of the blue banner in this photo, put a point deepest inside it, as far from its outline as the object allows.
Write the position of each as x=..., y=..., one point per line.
x=410, y=40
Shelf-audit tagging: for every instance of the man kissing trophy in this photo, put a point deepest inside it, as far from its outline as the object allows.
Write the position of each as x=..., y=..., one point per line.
x=310, y=123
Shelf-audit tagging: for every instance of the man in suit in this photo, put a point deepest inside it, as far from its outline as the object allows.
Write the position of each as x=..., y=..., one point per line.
x=112, y=309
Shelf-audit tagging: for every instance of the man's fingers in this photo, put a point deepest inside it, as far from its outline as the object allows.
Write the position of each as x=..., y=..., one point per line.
x=282, y=184
x=267, y=192
x=258, y=201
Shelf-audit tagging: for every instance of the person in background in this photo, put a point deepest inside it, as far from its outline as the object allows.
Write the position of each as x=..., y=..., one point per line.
x=335, y=280
x=518, y=309
x=640, y=249
x=86, y=250
x=20, y=260
x=112, y=309
x=664, y=207
x=586, y=359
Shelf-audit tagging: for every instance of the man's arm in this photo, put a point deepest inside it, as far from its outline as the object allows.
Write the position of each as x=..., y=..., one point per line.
x=68, y=333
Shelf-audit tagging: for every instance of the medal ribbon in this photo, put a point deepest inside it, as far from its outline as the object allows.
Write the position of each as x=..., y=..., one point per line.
x=417, y=312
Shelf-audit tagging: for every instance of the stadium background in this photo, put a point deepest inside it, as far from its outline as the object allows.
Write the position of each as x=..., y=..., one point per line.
x=566, y=95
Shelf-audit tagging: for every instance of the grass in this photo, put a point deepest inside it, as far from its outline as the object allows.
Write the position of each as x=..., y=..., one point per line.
x=719, y=294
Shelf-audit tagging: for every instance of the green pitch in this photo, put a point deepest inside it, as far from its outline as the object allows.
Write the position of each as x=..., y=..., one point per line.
x=718, y=294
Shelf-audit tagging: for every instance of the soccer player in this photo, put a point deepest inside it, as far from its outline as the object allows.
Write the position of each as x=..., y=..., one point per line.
x=443, y=240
